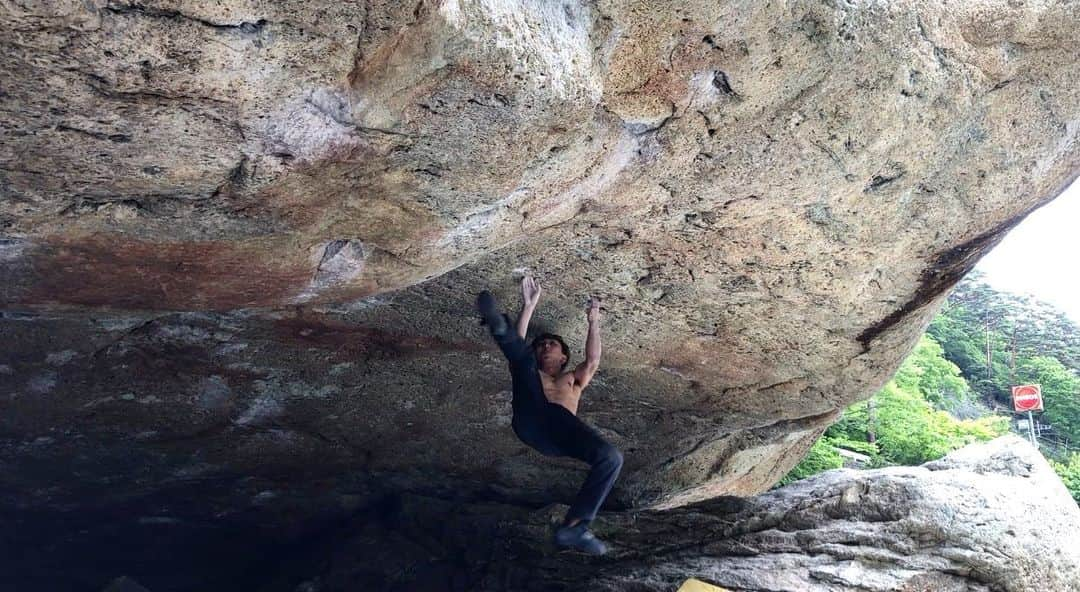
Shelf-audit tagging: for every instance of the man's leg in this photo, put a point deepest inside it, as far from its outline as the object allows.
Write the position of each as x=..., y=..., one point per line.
x=577, y=440
x=529, y=401
x=605, y=461
x=511, y=344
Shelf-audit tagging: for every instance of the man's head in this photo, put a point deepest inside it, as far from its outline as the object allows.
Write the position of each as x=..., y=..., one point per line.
x=550, y=348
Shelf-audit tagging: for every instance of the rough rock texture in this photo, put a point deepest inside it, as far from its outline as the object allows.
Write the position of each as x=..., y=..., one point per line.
x=989, y=517
x=772, y=197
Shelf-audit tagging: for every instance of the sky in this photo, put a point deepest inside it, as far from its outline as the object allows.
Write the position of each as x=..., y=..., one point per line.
x=1037, y=257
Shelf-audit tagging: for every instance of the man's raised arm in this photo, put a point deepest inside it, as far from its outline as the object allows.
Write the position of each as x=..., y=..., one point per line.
x=530, y=295
x=585, y=370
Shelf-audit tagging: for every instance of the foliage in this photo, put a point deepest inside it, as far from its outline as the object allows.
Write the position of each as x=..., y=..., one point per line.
x=902, y=420
x=911, y=432
x=1060, y=390
x=1069, y=472
x=1039, y=328
x=937, y=400
x=868, y=448
x=821, y=457
x=1029, y=342
x=937, y=379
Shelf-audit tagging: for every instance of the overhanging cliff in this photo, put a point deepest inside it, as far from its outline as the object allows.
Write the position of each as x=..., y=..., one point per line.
x=241, y=240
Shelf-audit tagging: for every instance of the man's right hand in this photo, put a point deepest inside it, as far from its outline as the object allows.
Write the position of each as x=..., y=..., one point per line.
x=592, y=311
x=530, y=290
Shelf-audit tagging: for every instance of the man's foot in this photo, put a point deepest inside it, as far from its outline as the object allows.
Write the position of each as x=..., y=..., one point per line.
x=489, y=312
x=579, y=537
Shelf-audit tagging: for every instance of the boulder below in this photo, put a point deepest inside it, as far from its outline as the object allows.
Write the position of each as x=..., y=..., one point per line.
x=988, y=517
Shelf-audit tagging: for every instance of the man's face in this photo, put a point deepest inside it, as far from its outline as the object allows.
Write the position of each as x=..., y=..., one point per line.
x=549, y=350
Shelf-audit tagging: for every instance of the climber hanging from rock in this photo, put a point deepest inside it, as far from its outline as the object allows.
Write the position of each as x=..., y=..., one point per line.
x=545, y=407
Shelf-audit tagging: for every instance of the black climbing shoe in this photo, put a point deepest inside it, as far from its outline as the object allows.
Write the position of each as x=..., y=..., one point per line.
x=580, y=538
x=489, y=312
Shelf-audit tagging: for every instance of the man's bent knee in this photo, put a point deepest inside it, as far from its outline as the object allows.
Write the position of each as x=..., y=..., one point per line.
x=616, y=458
x=609, y=455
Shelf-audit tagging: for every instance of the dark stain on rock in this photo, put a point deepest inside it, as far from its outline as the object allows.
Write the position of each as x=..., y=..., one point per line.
x=245, y=28
x=118, y=138
x=892, y=172
x=342, y=260
x=813, y=28
x=113, y=271
x=236, y=181
x=942, y=275
x=720, y=82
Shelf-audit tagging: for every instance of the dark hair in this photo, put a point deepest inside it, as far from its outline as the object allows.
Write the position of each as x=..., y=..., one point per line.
x=565, y=348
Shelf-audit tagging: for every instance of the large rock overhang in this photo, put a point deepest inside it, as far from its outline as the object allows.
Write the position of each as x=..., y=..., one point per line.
x=245, y=239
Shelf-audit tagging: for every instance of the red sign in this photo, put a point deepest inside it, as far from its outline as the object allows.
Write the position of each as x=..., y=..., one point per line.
x=1027, y=397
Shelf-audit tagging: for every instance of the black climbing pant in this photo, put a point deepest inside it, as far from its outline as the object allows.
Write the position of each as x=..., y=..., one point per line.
x=553, y=431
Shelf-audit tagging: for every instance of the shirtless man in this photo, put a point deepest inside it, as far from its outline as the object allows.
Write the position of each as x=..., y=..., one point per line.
x=545, y=407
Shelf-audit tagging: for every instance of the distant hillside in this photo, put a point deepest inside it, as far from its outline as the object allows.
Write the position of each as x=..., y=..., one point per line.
x=999, y=339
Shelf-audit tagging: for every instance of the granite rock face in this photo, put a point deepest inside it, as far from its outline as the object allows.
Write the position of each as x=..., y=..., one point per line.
x=988, y=517
x=240, y=240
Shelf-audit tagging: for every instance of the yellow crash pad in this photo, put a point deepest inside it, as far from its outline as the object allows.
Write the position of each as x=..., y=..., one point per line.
x=693, y=585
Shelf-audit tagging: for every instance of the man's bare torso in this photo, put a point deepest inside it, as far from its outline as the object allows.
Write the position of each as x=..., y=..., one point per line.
x=561, y=390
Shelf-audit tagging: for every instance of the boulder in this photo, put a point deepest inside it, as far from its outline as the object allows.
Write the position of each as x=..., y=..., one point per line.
x=988, y=517
x=240, y=241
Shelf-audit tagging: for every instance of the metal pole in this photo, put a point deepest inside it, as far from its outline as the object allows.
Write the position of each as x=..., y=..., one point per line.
x=1031, y=430
x=1012, y=359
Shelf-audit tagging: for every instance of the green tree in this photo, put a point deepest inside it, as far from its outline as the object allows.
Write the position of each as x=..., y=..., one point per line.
x=909, y=430
x=1069, y=471
x=1021, y=332
x=950, y=370
x=1060, y=390
x=936, y=378
x=821, y=457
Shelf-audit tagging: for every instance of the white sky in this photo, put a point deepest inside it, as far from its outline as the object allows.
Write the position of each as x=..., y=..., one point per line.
x=1038, y=257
